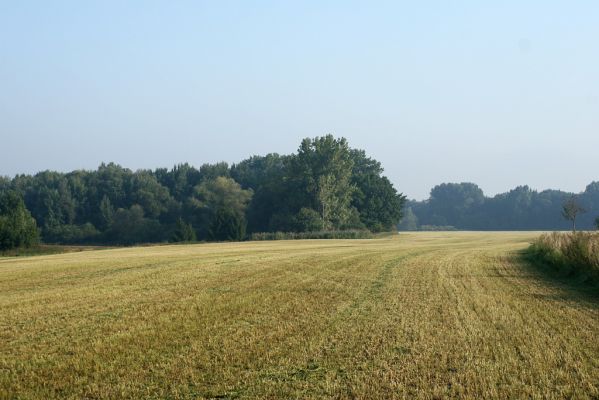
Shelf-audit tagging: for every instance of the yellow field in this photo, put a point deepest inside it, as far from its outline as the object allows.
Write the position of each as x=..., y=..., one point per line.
x=423, y=315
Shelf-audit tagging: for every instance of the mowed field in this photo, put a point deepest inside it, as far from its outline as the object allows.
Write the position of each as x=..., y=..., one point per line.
x=422, y=315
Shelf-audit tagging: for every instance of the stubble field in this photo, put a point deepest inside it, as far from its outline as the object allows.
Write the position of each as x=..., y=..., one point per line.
x=422, y=315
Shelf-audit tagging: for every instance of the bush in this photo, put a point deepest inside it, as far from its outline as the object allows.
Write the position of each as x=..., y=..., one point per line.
x=568, y=254
x=129, y=226
x=349, y=234
x=437, y=228
x=72, y=234
x=307, y=220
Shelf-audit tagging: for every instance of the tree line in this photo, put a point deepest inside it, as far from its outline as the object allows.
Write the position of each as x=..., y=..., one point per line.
x=324, y=186
x=464, y=206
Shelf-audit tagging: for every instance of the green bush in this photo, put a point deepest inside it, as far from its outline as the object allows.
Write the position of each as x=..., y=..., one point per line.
x=307, y=220
x=349, y=234
x=72, y=234
x=437, y=228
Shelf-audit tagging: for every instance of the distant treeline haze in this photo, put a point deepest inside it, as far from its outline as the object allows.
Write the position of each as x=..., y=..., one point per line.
x=464, y=206
x=325, y=186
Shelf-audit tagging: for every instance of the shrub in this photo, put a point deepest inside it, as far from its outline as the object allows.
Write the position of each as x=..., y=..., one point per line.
x=307, y=220
x=349, y=234
x=568, y=254
x=72, y=234
x=437, y=228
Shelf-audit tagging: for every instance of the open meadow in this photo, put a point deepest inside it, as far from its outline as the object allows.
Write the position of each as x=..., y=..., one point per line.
x=418, y=315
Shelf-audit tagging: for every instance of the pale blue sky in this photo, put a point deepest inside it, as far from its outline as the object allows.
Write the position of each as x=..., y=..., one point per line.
x=498, y=93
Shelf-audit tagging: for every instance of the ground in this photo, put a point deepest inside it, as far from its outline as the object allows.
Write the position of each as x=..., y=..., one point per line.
x=421, y=315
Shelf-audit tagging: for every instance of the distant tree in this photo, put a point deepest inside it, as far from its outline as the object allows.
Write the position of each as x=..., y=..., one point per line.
x=268, y=177
x=327, y=201
x=180, y=180
x=144, y=189
x=571, y=209
x=379, y=205
x=213, y=171
x=454, y=204
x=49, y=199
x=129, y=226
x=597, y=223
x=183, y=232
x=226, y=225
x=222, y=204
x=321, y=179
x=257, y=171
x=17, y=226
x=409, y=222
x=106, y=211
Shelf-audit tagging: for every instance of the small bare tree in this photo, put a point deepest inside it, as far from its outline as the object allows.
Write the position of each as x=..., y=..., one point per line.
x=570, y=210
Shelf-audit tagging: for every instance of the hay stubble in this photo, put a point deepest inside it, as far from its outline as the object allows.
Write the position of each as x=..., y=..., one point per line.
x=419, y=315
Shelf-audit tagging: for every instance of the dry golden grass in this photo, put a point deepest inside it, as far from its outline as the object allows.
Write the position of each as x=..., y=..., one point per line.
x=569, y=254
x=422, y=315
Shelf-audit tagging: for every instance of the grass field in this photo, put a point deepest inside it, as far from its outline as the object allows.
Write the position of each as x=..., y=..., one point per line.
x=422, y=315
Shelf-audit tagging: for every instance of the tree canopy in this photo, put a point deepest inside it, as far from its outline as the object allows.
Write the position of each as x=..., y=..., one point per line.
x=17, y=226
x=325, y=185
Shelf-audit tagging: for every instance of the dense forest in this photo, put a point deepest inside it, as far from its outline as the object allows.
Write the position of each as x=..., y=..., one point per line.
x=464, y=206
x=324, y=186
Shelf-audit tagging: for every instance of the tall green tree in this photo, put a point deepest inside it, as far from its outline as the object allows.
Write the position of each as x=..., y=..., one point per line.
x=106, y=212
x=321, y=179
x=17, y=226
x=375, y=199
x=183, y=232
x=268, y=177
x=222, y=203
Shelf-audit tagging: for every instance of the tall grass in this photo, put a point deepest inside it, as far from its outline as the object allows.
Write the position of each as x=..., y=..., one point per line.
x=568, y=254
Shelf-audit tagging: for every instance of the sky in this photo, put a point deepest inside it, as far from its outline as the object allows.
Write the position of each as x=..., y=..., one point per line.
x=497, y=93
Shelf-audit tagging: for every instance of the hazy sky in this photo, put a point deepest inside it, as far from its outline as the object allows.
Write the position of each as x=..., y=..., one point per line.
x=497, y=94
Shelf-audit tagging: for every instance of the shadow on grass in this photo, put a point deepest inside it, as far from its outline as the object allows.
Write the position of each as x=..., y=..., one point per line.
x=47, y=249
x=569, y=286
